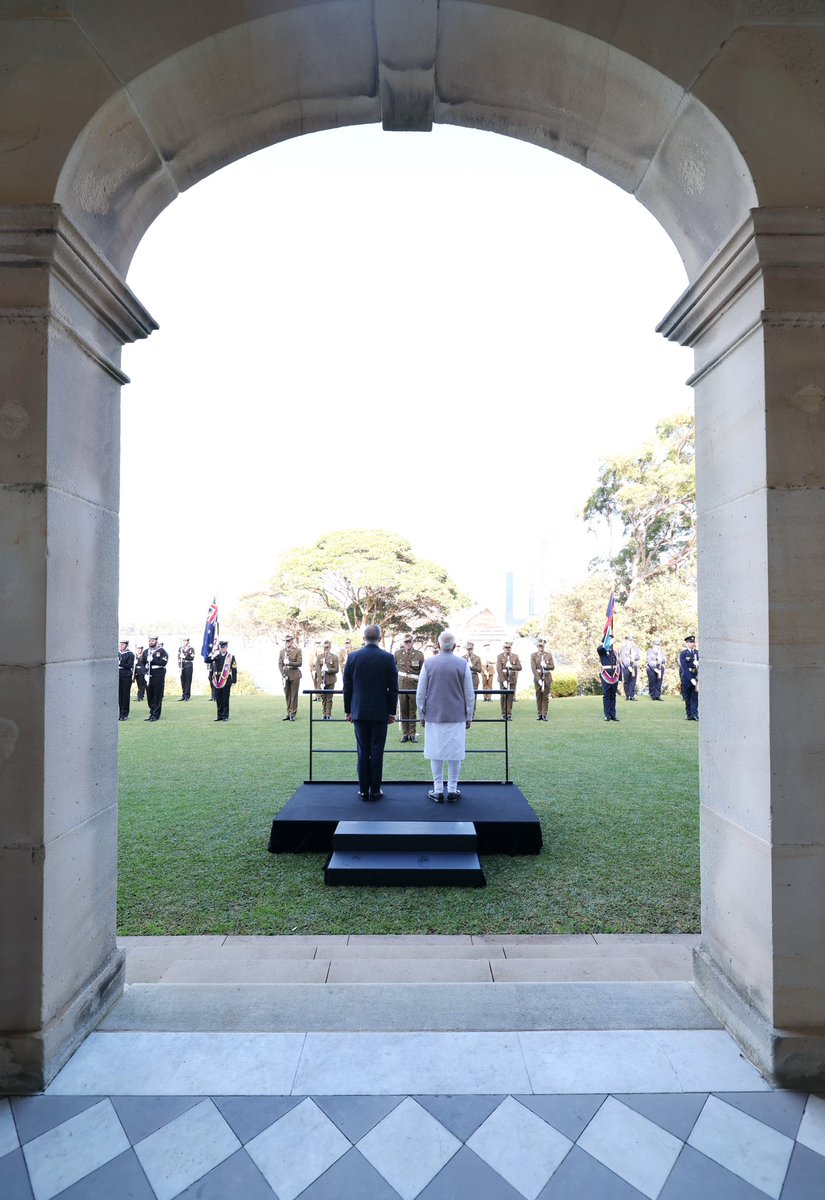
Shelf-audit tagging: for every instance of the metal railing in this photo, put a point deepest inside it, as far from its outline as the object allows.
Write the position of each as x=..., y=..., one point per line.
x=313, y=720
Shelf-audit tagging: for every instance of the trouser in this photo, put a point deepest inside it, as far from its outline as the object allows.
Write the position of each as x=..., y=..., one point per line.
x=487, y=683
x=507, y=701
x=370, y=738
x=690, y=695
x=629, y=682
x=543, y=696
x=124, y=692
x=609, y=691
x=186, y=680
x=155, y=683
x=654, y=683
x=453, y=772
x=328, y=699
x=291, y=689
x=140, y=680
x=222, y=700
x=407, y=708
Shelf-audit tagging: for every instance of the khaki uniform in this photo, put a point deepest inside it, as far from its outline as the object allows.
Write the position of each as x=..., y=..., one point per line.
x=409, y=663
x=542, y=665
x=344, y=653
x=316, y=676
x=475, y=667
x=289, y=664
x=507, y=669
x=488, y=670
x=326, y=673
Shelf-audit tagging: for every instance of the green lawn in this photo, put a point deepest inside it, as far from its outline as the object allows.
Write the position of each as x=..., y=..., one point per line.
x=618, y=806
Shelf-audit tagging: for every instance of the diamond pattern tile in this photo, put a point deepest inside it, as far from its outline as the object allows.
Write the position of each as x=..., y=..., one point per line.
x=297, y=1149
x=569, y=1114
x=8, y=1130
x=247, y=1116
x=805, y=1179
x=185, y=1149
x=676, y=1114
x=351, y=1176
x=34, y=1115
x=355, y=1116
x=63, y=1155
x=743, y=1145
x=408, y=1148
x=581, y=1177
x=781, y=1110
x=122, y=1177
x=467, y=1177
x=141, y=1116
x=520, y=1146
x=237, y=1176
x=462, y=1115
x=14, y=1178
x=812, y=1127
x=631, y=1146
x=696, y=1177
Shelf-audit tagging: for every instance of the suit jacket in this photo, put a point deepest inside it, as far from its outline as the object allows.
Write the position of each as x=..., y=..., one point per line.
x=370, y=684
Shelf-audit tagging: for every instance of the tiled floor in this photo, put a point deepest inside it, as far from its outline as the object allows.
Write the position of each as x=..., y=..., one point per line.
x=560, y=1115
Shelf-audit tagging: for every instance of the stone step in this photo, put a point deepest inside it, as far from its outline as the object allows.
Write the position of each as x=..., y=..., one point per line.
x=404, y=868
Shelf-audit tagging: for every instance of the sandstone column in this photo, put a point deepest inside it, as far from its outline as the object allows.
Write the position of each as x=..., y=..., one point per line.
x=64, y=315
x=756, y=317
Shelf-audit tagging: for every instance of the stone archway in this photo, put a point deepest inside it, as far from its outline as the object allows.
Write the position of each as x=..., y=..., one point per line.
x=714, y=120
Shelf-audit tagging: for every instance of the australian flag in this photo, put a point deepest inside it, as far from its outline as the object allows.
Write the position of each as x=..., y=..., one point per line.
x=607, y=637
x=210, y=631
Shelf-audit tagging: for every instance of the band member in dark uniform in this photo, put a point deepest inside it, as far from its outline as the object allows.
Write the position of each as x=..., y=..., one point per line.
x=141, y=668
x=125, y=674
x=223, y=672
x=611, y=673
x=186, y=660
x=157, y=658
x=689, y=678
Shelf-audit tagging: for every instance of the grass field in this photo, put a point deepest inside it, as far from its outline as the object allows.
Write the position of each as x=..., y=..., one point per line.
x=618, y=806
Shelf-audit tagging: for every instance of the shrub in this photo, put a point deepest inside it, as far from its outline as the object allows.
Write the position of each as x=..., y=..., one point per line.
x=246, y=685
x=565, y=683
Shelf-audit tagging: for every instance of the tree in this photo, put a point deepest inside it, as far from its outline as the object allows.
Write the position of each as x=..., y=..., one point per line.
x=651, y=495
x=356, y=577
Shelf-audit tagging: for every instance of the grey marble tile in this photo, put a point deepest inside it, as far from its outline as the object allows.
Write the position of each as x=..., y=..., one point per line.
x=811, y=1132
x=631, y=1146
x=408, y=1148
x=248, y=1116
x=780, y=1110
x=355, y=1116
x=581, y=1177
x=708, y=1060
x=8, y=1130
x=121, y=1177
x=34, y=1115
x=351, y=1178
x=14, y=1178
x=467, y=1177
x=743, y=1145
x=462, y=1115
x=141, y=1116
x=677, y=1114
x=695, y=1177
x=569, y=1114
x=579, y=1061
x=67, y=1153
x=520, y=1146
x=186, y=1149
x=805, y=1179
x=297, y=1149
x=236, y=1177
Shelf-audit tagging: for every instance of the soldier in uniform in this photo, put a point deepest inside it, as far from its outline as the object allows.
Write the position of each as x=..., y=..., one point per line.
x=344, y=653
x=689, y=678
x=326, y=672
x=315, y=671
x=630, y=657
x=186, y=661
x=474, y=660
x=611, y=673
x=140, y=671
x=508, y=666
x=289, y=663
x=488, y=670
x=157, y=658
x=125, y=675
x=542, y=666
x=223, y=672
x=409, y=662
x=656, y=663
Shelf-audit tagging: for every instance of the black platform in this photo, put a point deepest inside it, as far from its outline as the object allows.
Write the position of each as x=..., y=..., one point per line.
x=404, y=854
x=504, y=821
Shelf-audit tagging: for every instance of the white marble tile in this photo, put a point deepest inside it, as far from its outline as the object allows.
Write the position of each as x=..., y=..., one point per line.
x=709, y=1060
x=183, y=1151
x=743, y=1145
x=292, y=1153
x=631, y=1146
x=63, y=1155
x=812, y=1127
x=408, y=1148
x=392, y=1064
x=181, y=1064
x=581, y=1061
x=521, y=1147
x=8, y=1131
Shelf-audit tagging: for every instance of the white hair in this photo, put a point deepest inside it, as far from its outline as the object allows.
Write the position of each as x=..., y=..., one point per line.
x=446, y=640
x=372, y=633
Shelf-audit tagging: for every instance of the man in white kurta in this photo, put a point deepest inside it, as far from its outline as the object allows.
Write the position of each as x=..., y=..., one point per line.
x=446, y=705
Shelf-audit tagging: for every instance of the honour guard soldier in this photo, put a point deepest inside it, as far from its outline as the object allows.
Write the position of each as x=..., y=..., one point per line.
x=488, y=670
x=475, y=664
x=542, y=665
x=656, y=663
x=689, y=678
x=326, y=672
x=316, y=671
x=186, y=661
x=289, y=663
x=140, y=671
x=611, y=673
x=157, y=658
x=125, y=675
x=508, y=666
x=344, y=653
x=630, y=657
x=409, y=662
x=223, y=672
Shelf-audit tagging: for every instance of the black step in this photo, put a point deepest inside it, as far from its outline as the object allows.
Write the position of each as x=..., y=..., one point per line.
x=405, y=835
x=399, y=868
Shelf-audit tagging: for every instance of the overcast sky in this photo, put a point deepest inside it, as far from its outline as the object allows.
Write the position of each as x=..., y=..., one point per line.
x=439, y=334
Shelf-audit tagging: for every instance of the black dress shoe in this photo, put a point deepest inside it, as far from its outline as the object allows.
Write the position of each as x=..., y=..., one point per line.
x=436, y=797
x=182, y=700
x=453, y=797
x=286, y=718
x=363, y=796
x=379, y=795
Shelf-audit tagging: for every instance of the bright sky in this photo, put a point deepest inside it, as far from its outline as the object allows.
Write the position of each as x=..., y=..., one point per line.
x=438, y=334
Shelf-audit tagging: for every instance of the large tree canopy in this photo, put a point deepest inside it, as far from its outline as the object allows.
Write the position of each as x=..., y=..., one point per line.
x=651, y=496
x=351, y=578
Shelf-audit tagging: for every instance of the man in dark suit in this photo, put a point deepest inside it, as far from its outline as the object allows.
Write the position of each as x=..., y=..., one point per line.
x=370, y=699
